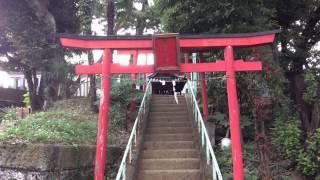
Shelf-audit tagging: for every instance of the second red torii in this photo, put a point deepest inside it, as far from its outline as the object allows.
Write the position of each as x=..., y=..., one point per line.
x=184, y=43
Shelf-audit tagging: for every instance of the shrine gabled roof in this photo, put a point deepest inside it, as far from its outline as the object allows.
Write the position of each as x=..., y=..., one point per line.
x=186, y=41
x=181, y=36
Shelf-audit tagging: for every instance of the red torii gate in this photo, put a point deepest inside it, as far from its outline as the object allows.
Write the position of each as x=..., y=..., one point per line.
x=165, y=55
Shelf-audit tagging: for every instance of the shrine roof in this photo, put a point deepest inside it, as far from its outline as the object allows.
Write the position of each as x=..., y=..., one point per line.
x=181, y=36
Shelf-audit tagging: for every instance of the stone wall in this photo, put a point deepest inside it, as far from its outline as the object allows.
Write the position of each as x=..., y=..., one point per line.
x=23, y=161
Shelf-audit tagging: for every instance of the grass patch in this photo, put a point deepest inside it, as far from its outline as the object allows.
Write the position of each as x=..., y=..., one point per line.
x=49, y=127
x=67, y=122
x=54, y=126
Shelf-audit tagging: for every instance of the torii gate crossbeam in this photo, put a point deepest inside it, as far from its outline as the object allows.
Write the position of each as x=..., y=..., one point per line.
x=186, y=43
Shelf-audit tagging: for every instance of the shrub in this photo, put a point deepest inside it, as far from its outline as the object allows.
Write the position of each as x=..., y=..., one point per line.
x=52, y=127
x=286, y=135
x=309, y=159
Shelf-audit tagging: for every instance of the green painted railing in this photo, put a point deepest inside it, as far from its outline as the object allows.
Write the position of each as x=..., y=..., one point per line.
x=205, y=140
x=132, y=142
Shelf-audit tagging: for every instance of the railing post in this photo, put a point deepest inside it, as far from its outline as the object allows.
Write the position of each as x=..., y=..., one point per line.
x=202, y=136
x=132, y=143
x=214, y=174
x=124, y=171
x=207, y=153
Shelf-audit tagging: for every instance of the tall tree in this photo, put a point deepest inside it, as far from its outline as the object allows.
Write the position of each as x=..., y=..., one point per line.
x=300, y=24
x=86, y=9
x=27, y=38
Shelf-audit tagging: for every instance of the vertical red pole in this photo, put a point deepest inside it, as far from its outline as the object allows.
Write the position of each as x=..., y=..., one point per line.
x=186, y=60
x=234, y=115
x=134, y=62
x=204, y=91
x=101, y=148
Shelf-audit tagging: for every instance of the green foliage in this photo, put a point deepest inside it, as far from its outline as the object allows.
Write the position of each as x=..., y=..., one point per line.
x=222, y=120
x=9, y=115
x=312, y=86
x=26, y=100
x=224, y=158
x=49, y=127
x=214, y=16
x=286, y=135
x=309, y=160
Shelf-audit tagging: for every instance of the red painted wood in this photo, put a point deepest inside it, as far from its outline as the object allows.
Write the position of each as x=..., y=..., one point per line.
x=222, y=42
x=134, y=62
x=118, y=69
x=115, y=69
x=220, y=66
x=186, y=61
x=163, y=56
x=184, y=43
x=101, y=147
x=166, y=52
x=103, y=44
x=234, y=115
x=204, y=91
x=133, y=51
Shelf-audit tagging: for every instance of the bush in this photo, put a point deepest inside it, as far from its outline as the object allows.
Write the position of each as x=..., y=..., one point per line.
x=8, y=115
x=309, y=160
x=286, y=135
x=51, y=127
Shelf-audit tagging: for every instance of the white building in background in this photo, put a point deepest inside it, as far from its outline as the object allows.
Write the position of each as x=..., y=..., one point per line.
x=14, y=80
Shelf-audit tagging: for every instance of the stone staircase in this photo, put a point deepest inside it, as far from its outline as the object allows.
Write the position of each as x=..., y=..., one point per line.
x=170, y=151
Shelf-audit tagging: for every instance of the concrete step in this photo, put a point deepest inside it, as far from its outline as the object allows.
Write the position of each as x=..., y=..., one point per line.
x=168, y=130
x=168, y=101
x=170, y=164
x=190, y=174
x=169, y=108
x=166, y=97
x=169, y=137
x=175, y=153
x=161, y=119
x=165, y=123
x=169, y=114
x=157, y=145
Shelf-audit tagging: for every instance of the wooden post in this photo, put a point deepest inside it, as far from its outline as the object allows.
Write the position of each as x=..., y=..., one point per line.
x=234, y=115
x=101, y=148
x=186, y=60
x=203, y=91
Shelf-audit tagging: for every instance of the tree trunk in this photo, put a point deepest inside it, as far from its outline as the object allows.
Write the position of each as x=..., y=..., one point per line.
x=315, y=119
x=297, y=86
x=93, y=89
x=141, y=22
x=32, y=81
x=110, y=17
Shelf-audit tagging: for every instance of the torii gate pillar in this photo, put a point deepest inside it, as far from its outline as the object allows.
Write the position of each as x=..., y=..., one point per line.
x=101, y=148
x=234, y=115
x=168, y=60
x=204, y=91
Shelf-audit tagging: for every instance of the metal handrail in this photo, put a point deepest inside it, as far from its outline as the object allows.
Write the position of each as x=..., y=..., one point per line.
x=205, y=141
x=134, y=133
